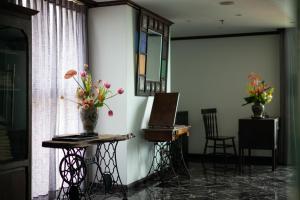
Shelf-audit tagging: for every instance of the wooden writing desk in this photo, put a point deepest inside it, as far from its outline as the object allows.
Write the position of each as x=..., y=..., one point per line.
x=166, y=134
x=73, y=166
x=80, y=143
x=167, y=149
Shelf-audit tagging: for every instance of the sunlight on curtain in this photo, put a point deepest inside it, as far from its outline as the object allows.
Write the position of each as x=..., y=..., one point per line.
x=58, y=44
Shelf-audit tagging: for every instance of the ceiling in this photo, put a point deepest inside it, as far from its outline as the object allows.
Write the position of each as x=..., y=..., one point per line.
x=205, y=17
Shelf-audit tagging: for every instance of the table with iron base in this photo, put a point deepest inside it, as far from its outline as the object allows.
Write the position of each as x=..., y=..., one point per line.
x=167, y=150
x=73, y=165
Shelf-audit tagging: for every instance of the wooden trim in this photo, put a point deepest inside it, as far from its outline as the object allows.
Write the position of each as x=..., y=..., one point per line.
x=138, y=7
x=131, y=4
x=89, y=3
x=226, y=35
x=111, y=3
x=256, y=160
x=18, y=9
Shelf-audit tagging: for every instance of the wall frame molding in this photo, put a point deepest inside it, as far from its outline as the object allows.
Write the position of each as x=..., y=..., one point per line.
x=94, y=4
x=276, y=32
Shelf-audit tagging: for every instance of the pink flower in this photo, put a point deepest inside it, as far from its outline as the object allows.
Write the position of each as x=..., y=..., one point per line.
x=106, y=85
x=110, y=113
x=120, y=90
x=83, y=74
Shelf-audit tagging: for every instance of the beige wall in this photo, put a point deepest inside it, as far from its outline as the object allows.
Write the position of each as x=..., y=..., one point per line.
x=111, y=32
x=213, y=73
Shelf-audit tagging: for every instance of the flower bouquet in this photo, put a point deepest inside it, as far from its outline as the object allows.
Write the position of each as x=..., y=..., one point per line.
x=260, y=94
x=90, y=96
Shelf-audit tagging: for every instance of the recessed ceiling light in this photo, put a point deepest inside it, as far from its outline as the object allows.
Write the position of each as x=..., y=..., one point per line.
x=226, y=3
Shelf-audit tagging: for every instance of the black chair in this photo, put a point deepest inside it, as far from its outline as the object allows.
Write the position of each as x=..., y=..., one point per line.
x=212, y=134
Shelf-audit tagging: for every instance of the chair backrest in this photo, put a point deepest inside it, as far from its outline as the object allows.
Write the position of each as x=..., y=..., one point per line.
x=210, y=122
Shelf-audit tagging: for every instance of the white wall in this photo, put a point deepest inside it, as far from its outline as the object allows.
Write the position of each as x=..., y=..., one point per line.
x=213, y=73
x=111, y=32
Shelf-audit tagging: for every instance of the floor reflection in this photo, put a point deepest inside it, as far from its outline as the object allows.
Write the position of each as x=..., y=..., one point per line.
x=215, y=182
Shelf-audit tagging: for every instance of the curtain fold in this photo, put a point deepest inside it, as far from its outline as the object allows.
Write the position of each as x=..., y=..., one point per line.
x=290, y=95
x=58, y=44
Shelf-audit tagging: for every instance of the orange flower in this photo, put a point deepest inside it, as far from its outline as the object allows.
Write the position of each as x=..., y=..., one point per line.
x=101, y=97
x=70, y=74
x=252, y=92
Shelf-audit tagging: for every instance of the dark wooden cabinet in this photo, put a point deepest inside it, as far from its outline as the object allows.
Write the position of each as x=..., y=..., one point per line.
x=15, y=102
x=258, y=134
x=14, y=184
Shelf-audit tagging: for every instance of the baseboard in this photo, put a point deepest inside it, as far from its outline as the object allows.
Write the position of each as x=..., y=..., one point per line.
x=255, y=160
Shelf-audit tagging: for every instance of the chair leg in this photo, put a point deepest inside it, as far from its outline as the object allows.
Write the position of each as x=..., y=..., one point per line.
x=225, y=154
x=205, y=147
x=215, y=149
x=234, y=149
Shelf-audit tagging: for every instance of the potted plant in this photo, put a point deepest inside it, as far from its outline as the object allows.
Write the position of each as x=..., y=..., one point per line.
x=90, y=97
x=260, y=94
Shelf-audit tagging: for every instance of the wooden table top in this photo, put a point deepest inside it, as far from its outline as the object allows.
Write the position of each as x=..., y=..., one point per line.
x=102, y=138
x=166, y=134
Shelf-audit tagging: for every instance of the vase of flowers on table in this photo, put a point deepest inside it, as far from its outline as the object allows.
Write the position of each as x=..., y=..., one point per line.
x=90, y=97
x=260, y=94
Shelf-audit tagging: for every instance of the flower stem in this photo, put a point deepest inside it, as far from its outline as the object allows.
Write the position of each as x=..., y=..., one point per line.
x=73, y=101
x=106, y=105
x=78, y=84
x=112, y=96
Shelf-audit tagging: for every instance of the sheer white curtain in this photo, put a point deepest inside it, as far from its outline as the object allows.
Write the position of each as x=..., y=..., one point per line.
x=58, y=44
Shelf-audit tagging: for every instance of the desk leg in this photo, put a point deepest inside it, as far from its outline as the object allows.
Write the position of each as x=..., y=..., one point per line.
x=162, y=161
x=178, y=159
x=73, y=171
x=107, y=166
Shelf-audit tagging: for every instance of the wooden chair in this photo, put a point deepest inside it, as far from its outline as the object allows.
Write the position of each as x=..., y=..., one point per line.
x=212, y=134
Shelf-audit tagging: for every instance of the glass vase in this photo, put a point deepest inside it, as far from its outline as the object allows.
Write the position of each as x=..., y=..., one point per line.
x=89, y=118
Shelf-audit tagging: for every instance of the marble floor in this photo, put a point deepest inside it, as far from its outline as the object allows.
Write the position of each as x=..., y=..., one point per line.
x=208, y=183
x=256, y=182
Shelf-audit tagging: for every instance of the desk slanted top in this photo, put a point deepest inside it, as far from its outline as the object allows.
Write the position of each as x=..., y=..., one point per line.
x=102, y=138
x=166, y=134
